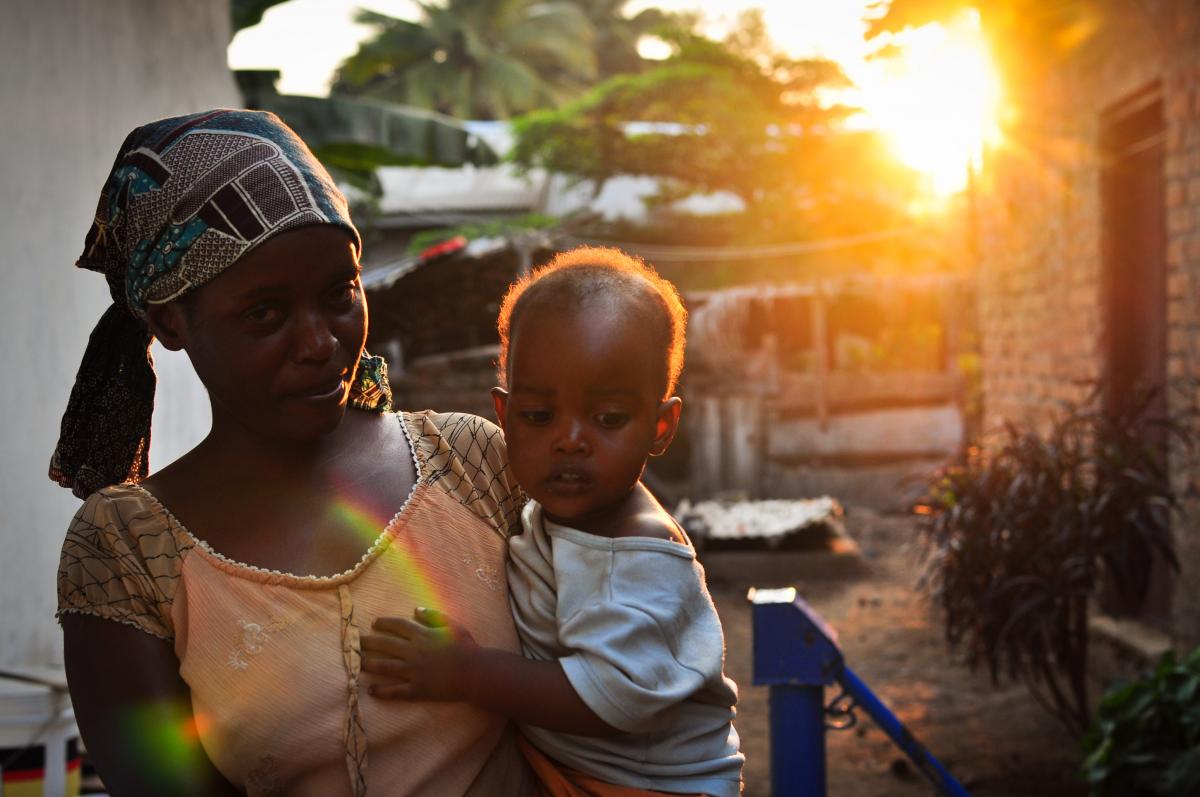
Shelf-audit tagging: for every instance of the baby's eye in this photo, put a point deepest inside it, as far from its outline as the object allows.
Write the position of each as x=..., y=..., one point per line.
x=536, y=417
x=612, y=420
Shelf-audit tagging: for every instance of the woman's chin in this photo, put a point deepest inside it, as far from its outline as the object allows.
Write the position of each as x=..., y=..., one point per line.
x=303, y=424
x=329, y=422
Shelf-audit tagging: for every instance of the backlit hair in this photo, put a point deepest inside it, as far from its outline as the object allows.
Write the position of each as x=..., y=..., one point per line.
x=574, y=278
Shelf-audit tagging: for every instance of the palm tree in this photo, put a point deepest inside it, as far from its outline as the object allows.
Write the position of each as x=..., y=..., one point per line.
x=617, y=35
x=474, y=59
x=248, y=13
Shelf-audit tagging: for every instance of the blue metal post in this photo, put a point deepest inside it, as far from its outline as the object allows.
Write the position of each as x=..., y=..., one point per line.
x=798, y=740
x=891, y=725
x=796, y=654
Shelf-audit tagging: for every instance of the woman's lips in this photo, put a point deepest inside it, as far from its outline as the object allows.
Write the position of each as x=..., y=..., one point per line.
x=323, y=392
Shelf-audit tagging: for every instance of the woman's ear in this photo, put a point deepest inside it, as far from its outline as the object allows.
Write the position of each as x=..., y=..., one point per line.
x=166, y=322
x=500, y=402
x=666, y=425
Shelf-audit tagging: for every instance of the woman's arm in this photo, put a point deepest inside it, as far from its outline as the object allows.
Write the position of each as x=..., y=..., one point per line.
x=135, y=712
x=441, y=661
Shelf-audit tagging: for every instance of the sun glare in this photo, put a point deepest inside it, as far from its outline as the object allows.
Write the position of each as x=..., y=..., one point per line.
x=937, y=101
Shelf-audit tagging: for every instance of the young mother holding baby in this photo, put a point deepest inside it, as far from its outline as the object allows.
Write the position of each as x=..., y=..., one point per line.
x=212, y=612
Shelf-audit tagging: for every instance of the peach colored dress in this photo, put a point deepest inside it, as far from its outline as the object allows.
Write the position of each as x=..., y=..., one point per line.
x=273, y=659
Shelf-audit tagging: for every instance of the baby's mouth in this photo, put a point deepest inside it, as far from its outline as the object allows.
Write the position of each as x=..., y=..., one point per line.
x=568, y=479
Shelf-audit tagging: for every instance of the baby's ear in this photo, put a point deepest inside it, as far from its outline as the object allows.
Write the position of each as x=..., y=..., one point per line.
x=500, y=402
x=166, y=322
x=666, y=425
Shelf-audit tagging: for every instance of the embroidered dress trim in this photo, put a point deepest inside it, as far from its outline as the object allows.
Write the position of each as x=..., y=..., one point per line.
x=271, y=576
x=354, y=734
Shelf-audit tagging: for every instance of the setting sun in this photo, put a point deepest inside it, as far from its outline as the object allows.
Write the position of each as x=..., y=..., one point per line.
x=937, y=100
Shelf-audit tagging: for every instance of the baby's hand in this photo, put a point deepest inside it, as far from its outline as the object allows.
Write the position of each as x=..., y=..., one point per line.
x=424, y=660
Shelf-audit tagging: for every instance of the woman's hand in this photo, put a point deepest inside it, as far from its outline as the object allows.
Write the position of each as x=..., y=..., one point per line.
x=426, y=659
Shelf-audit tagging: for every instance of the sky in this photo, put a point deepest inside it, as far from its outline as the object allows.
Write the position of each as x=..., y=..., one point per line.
x=937, y=104
x=306, y=39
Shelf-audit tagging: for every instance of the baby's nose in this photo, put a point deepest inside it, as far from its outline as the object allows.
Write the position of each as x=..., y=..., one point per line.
x=572, y=439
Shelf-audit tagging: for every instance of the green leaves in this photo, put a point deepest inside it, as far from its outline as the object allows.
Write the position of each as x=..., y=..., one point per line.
x=497, y=228
x=248, y=13
x=1146, y=738
x=726, y=123
x=474, y=59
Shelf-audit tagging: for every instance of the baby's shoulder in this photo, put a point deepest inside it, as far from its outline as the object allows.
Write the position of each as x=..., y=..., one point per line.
x=656, y=524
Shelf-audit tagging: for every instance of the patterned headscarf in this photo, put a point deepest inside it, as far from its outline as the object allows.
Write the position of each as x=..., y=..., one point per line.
x=185, y=199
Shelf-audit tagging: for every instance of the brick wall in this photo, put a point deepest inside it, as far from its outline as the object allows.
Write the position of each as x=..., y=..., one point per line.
x=1041, y=301
x=1183, y=311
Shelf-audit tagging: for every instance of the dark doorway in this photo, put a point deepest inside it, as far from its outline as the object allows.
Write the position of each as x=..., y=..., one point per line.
x=1133, y=215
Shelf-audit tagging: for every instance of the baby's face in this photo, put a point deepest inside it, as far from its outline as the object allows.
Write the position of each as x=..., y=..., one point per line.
x=583, y=410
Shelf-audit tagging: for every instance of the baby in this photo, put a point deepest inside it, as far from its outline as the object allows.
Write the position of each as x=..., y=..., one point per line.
x=621, y=689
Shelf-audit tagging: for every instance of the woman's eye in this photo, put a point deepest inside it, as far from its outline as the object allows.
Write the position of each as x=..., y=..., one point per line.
x=536, y=417
x=263, y=314
x=612, y=420
x=344, y=294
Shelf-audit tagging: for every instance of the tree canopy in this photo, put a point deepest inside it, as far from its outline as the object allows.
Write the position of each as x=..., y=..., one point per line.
x=616, y=34
x=247, y=13
x=474, y=59
x=732, y=116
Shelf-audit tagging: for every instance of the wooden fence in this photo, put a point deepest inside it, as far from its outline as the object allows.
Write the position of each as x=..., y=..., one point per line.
x=773, y=410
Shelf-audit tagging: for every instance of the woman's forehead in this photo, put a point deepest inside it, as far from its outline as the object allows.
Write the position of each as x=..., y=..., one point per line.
x=295, y=259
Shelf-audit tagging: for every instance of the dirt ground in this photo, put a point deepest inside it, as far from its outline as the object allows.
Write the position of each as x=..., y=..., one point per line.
x=995, y=741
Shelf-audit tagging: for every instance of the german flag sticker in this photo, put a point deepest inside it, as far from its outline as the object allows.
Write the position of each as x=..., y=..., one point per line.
x=23, y=770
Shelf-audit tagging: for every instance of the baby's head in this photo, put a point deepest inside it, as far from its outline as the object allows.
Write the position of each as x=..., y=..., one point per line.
x=591, y=347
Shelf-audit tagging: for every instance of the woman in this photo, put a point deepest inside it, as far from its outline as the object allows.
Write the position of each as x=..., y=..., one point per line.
x=212, y=612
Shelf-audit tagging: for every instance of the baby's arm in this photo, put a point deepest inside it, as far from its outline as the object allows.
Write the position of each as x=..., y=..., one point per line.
x=435, y=659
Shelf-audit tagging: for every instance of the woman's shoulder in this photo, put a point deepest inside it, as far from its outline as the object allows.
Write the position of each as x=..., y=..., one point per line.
x=127, y=510
x=440, y=438
x=460, y=431
x=121, y=559
x=465, y=455
x=126, y=518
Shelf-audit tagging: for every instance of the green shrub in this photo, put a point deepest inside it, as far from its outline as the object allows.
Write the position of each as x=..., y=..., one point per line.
x=1146, y=739
x=1023, y=535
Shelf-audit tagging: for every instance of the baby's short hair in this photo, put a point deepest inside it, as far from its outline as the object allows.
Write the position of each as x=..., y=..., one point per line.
x=589, y=273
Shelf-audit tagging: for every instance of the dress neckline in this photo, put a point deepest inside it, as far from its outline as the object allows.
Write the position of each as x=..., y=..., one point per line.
x=255, y=572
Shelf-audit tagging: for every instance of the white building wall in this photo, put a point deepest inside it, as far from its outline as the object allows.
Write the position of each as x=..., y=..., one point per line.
x=77, y=76
x=625, y=196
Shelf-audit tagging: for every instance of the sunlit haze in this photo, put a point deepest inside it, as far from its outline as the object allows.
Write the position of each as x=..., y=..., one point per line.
x=937, y=102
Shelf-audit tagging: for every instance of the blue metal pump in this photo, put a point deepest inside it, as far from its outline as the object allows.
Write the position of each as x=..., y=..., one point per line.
x=796, y=654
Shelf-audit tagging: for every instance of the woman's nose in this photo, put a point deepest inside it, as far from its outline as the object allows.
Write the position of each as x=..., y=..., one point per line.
x=314, y=340
x=572, y=439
